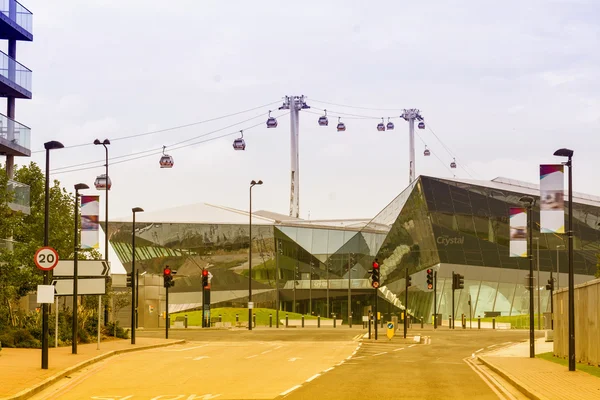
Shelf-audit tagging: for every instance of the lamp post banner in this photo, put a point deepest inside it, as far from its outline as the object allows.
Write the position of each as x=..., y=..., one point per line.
x=90, y=210
x=518, y=232
x=552, y=203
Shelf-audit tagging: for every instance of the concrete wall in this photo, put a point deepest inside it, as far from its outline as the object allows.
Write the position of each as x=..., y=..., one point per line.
x=587, y=323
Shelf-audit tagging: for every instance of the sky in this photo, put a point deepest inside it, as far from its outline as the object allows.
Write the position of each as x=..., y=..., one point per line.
x=501, y=87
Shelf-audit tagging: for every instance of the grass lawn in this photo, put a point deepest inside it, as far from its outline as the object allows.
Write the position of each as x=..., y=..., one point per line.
x=228, y=315
x=590, y=369
x=516, y=321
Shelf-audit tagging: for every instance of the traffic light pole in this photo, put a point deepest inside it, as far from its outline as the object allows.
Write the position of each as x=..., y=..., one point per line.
x=453, y=288
x=435, y=300
x=406, y=304
x=375, y=314
x=167, y=314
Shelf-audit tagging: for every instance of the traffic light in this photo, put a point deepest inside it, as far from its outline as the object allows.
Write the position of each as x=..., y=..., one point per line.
x=168, y=277
x=550, y=285
x=408, y=281
x=129, y=280
x=430, y=279
x=204, y=278
x=375, y=274
x=460, y=280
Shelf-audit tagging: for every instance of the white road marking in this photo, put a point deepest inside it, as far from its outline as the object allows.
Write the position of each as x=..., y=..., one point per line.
x=359, y=357
x=290, y=390
x=252, y=356
x=378, y=354
x=278, y=347
x=266, y=351
x=398, y=349
x=490, y=381
x=341, y=362
x=412, y=345
x=294, y=359
x=315, y=376
x=477, y=351
x=366, y=335
x=354, y=352
x=506, y=343
x=187, y=348
x=494, y=345
x=328, y=369
x=200, y=358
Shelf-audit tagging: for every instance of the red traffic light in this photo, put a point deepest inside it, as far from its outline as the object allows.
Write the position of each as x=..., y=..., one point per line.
x=167, y=271
x=430, y=271
x=204, y=272
x=375, y=264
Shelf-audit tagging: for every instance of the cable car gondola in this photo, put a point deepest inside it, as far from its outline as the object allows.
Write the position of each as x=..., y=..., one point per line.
x=390, y=125
x=323, y=121
x=340, y=126
x=426, y=153
x=102, y=183
x=166, y=161
x=381, y=126
x=453, y=164
x=239, y=143
x=271, y=122
x=421, y=125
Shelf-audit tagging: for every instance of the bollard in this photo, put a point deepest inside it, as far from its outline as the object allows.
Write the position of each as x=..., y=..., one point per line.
x=319, y=321
x=270, y=320
x=421, y=322
x=254, y=320
x=302, y=320
x=478, y=322
x=450, y=321
x=381, y=319
x=463, y=319
x=237, y=318
x=185, y=322
x=493, y=323
x=334, y=320
x=350, y=320
x=220, y=318
x=286, y=320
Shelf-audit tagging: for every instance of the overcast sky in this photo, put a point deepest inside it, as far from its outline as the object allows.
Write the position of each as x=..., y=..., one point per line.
x=502, y=87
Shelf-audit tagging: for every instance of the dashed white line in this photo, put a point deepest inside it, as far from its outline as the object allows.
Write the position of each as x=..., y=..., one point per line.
x=290, y=390
x=354, y=352
x=412, y=345
x=255, y=355
x=266, y=351
x=315, y=376
x=378, y=354
x=200, y=358
x=494, y=345
x=187, y=348
x=349, y=357
x=477, y=351
x=398, y=349
x=328, y=369
x=278, y=347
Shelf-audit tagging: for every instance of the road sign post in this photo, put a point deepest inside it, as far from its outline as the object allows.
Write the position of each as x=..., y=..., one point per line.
x=88, y=286
x=45, y=258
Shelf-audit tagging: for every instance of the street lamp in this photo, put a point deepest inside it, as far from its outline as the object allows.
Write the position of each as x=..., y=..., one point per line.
x=252, y=184
x=133, y=302
x=569, y=154
x=561, y=247
x=52, y=145
x=78, y=187
x=104, y=143
x=529, y=202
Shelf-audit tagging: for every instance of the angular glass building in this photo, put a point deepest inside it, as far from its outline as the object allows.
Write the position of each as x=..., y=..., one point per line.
x=322, y=267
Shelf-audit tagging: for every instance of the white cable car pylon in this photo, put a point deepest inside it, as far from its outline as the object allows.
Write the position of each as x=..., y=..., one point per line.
x=411, y=115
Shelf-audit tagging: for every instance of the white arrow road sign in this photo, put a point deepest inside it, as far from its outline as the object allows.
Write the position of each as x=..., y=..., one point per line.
x=64, y=287
x=84, y=268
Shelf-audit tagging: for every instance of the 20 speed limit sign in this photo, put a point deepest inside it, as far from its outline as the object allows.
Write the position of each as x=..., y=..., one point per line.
x=46, y=258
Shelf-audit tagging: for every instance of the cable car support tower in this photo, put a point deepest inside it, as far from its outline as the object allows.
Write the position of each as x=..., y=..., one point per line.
x=294, y=104
x=410, y=115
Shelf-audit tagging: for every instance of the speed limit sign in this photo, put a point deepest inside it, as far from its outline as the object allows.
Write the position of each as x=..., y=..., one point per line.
x=46, y=258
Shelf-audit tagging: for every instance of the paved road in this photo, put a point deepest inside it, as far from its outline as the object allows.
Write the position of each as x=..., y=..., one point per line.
x=402, y=369
x=293, y=363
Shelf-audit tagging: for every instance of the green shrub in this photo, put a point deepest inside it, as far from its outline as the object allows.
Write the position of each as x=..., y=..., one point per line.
x=109, y=330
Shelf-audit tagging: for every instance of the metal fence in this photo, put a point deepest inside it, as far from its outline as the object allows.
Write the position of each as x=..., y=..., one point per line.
x=587, y=323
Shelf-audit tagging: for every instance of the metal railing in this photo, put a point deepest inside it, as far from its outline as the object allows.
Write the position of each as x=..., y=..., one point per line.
x=15, y=71
x=15, y=132
x=20, y=199
x=15, y=11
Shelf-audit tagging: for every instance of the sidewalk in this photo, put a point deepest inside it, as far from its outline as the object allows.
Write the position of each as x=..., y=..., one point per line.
x=22, y=376
x=538, y=378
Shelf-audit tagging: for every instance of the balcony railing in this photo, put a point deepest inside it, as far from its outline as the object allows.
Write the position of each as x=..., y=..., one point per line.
x=14, y=71
x=15, y=11
x=20, y=199
x=15, y=132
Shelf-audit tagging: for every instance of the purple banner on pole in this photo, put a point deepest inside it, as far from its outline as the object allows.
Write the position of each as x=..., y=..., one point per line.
x=90, y=210
x=518, y=232
x=552, y=203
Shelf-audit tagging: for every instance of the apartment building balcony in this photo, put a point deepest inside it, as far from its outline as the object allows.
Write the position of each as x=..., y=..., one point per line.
x=16, y=21
x=15, y=78
x=19, y=201
x=15, y=138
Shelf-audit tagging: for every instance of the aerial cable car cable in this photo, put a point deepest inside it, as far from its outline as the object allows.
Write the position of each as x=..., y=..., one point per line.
x=358, y=108
x=172, y=128
x=172, y=148
x=154, y=150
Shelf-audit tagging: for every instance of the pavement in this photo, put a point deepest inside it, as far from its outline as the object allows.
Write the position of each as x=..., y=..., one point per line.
x=20, y=369
x=538, y=378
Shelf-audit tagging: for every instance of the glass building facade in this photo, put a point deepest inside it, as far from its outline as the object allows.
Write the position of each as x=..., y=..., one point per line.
x=322, y=267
